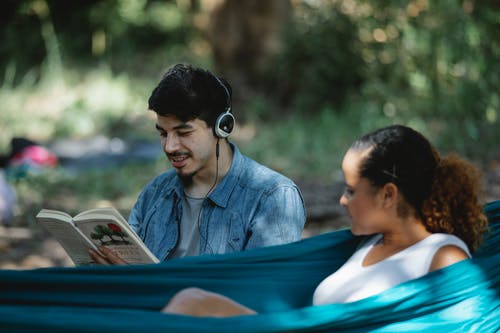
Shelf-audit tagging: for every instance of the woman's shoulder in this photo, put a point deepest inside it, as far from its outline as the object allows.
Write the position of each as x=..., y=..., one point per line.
x=450, y=250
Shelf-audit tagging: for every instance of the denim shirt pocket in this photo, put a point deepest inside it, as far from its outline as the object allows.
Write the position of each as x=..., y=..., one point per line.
x=163, y=231
x=237, y=233
x=147, y=224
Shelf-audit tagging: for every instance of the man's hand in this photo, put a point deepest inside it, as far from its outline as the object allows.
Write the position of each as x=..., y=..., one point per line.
x=106, y=257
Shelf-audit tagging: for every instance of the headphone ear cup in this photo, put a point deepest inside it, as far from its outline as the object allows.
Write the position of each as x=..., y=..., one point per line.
x=224, y=125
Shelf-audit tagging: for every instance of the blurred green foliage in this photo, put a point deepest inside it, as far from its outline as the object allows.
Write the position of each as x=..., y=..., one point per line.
x=431, y=64
x=320, y=65
x=139, y=36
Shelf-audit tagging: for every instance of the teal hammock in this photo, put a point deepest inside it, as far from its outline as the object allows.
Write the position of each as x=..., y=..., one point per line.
x=276, y=281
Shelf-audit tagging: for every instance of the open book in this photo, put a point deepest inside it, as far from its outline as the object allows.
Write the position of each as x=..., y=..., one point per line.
x=92, y=228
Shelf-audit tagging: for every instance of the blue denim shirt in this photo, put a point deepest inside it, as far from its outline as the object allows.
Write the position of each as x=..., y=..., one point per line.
x=252, y=206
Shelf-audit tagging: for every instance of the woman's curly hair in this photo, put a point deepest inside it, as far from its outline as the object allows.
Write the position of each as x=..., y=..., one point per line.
x=453, y=206
x=443, y=192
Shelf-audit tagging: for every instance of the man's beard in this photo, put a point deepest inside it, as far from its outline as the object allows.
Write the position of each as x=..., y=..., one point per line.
x=187, y=179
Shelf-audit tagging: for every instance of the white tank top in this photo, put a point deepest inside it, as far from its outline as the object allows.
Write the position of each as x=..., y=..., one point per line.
x=352, y=281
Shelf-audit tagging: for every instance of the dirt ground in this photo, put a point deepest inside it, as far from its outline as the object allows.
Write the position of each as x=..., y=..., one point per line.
x=28, y=248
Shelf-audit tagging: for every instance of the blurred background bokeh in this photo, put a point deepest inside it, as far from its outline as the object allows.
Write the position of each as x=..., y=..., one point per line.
x=308, y=77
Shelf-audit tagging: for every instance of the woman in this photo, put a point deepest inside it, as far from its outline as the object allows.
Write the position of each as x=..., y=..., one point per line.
x=421, y=211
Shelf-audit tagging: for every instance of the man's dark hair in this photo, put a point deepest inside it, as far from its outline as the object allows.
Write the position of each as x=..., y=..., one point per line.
x=188, y=93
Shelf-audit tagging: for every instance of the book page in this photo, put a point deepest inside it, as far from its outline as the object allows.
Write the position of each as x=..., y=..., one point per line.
x=114, y=232
x=106, y=211
x=70, y=238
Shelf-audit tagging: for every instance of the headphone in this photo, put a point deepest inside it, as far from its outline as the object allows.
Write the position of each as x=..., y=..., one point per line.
x=224, y=124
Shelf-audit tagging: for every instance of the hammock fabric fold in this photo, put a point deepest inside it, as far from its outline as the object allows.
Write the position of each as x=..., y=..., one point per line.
x=276, y=281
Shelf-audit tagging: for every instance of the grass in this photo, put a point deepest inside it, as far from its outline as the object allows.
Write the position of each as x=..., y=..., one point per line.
x=305, y=147
x=56, y=189
x=77, y=106
x=74, y=105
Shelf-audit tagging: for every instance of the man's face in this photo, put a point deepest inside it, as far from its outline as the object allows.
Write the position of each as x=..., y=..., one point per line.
x=189, y=146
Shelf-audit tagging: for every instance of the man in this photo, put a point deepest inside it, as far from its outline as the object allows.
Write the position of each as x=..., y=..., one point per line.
x=214, y=199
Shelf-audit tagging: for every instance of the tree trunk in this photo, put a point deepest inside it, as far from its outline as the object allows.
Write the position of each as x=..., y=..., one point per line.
x=245, y=35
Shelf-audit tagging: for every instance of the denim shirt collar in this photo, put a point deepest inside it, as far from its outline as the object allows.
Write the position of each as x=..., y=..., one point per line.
x=220, y=195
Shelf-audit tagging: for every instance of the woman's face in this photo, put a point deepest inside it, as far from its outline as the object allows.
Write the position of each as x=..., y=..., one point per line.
x=362, y=200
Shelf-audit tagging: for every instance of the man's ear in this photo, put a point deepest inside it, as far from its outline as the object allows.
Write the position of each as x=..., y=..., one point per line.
x=390, y=194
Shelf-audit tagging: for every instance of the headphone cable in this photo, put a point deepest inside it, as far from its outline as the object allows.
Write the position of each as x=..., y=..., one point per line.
x=198, y=222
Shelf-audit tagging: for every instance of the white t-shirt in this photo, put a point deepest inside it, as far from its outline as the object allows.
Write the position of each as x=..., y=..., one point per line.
x=353, y=282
